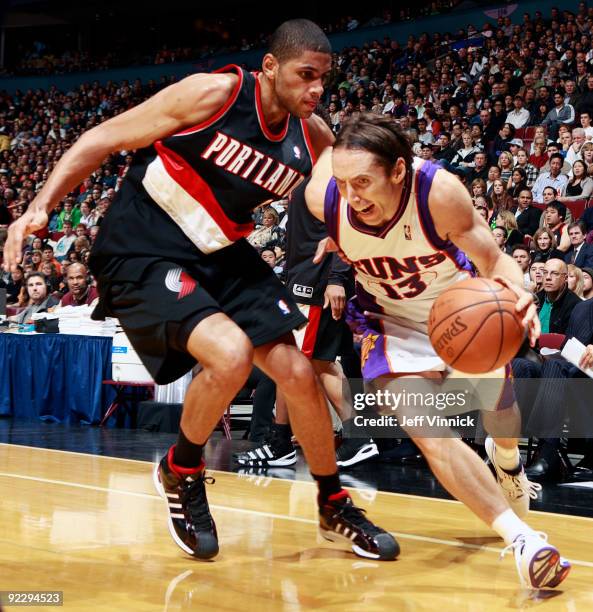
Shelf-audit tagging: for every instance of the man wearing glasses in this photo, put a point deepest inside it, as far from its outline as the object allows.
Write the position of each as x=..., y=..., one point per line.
x=556, y=301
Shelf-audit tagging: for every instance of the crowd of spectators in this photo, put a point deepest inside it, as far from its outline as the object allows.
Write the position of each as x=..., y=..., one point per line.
x=209, y=37
x=507, y=108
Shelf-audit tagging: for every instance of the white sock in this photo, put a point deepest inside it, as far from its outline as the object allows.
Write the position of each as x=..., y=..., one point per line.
x=508, y=526
x=507, y=458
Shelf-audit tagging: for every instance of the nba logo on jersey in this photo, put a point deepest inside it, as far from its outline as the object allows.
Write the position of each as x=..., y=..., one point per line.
x=283, y=307
x=297, y=152
x=408, y=232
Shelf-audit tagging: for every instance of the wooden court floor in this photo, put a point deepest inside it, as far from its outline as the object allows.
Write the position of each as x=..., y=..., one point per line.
x=94, y=527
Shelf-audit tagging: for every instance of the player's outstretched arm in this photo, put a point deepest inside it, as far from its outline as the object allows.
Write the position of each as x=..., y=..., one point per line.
x=456, y=219
x=181, y=105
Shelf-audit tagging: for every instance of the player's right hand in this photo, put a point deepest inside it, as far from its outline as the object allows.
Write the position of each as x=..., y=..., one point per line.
x=33, y=220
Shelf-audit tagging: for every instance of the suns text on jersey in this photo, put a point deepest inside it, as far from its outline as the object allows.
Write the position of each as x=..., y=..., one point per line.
x=400, y=278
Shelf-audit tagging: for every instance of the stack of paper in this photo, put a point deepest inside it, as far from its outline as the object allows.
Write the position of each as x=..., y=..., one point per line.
x=77, y=320
x=573, y=351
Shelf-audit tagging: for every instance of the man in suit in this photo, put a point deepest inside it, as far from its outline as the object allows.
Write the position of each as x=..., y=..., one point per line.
x=544, y=404
x=580, y=253
x=527, y=216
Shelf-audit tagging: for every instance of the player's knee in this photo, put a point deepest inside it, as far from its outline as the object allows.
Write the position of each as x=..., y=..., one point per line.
x=235, y=357
x=227, y=358
x=297, y=376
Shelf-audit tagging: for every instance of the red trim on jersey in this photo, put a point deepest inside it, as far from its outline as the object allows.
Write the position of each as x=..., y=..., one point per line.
x=311, y=332
x=260, y=116
x=307, y=136
x=226, y=106
x=187, y=178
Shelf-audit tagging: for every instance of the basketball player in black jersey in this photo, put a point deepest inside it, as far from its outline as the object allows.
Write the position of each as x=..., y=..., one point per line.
x=172, y=263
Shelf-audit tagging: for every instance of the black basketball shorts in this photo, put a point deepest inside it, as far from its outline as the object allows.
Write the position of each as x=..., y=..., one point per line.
x=323, y=337
x=155, y=300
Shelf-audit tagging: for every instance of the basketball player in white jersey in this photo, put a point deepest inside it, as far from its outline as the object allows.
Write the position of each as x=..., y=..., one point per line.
x=406, y=225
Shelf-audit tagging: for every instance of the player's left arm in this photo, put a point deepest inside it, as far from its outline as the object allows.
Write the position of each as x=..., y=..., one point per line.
x=456, y=220
x=320, y=134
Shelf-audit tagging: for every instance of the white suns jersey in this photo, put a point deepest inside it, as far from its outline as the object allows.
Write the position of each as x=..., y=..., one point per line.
x=402, y=267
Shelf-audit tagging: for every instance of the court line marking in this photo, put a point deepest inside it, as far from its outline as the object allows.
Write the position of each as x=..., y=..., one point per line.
x=237, y=475
x=154, y=496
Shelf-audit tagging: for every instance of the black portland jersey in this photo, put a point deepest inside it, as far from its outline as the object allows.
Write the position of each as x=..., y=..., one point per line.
x=208, y=178
x=306, y=280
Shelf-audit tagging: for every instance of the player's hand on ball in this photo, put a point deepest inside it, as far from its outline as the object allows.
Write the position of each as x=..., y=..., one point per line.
x=525, y=307
x=33, y=220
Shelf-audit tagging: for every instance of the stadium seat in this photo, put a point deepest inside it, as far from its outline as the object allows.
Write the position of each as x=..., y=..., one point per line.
x=551, y=341
x=577, y=208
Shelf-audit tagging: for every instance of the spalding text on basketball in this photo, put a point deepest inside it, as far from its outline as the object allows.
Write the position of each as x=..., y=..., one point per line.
x=457, y=327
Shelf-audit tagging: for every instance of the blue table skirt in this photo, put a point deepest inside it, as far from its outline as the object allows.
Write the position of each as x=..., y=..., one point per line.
x=56, y=377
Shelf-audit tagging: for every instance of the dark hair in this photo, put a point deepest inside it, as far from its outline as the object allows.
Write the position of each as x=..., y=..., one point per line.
x=578, y=224
x=295, y=36
x=556, y=156
x=379, y=135
x=267, y=249
x=520, y=247
x=558, y=206
x=500, y=227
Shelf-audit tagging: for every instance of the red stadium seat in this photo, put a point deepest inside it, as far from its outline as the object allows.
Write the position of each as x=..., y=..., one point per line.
x=577, y=208
x=55, y=236
x=520, y=133
x=530, y=132
x=11, y=311
x=551, y=341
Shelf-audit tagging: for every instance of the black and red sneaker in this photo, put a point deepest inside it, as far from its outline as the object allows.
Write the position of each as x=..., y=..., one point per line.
x=341, y=522
x=190, y=523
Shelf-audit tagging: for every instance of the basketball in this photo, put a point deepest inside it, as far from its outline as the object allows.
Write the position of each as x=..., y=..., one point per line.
x=473, y=326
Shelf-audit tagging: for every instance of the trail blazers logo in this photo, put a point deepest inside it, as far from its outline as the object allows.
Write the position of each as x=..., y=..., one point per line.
x=180, y=282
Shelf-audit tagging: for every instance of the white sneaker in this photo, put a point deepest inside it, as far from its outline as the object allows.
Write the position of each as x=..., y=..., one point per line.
x=539, y=564
x=346, y=455
x=516, y=487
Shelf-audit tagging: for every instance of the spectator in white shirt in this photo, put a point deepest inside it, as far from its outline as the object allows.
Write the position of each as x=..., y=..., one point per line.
x=65, y=242
x=553, y=178
x=574, y=151
x=519, y=116
x=586, y=123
